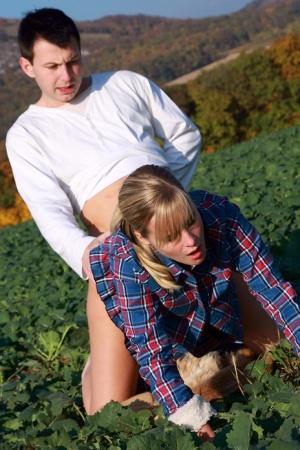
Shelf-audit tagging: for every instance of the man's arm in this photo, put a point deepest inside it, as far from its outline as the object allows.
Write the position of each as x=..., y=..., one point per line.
x=181, y=137
x=49, y=205
x=252, y=258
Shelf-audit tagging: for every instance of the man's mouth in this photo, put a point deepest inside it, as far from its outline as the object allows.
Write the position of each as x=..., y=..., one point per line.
x=66, y=89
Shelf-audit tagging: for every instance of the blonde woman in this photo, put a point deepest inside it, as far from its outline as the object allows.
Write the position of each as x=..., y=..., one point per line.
x=178, y=275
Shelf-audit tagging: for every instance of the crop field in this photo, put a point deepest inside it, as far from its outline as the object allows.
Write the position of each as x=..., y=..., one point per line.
x=44, y=342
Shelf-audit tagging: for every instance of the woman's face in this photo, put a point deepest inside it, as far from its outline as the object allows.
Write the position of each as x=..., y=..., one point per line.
x=188, y=249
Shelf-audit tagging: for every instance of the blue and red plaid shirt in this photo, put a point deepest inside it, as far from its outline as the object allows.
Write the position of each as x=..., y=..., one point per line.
x=158, y=322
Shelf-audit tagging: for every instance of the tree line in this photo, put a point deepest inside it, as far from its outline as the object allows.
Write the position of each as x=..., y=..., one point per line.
x=257, y=93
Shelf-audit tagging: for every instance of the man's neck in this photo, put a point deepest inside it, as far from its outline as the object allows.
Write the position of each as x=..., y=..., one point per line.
x=85, y=85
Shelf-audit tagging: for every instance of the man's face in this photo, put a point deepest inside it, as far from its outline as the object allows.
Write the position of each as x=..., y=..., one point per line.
x=57, y=71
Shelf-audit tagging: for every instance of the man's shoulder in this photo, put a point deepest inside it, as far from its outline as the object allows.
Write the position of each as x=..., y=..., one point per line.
x=18, y=128
x=22, y=119
x=118, y=78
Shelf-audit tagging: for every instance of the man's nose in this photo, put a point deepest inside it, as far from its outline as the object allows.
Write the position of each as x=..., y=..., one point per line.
x=65, y=72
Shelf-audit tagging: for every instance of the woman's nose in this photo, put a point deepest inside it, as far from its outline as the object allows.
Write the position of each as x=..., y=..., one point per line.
x=189, y=239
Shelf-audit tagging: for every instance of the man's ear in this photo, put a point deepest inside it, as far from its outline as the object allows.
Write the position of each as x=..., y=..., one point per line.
x=142, y=239
x=26, y=67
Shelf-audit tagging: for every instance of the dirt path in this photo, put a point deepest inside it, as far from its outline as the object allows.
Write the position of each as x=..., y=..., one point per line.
x=231, y=55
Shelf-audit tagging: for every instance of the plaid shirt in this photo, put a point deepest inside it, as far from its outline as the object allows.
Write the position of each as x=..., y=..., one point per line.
x=156, y=321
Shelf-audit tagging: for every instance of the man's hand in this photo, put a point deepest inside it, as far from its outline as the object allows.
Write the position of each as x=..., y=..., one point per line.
x=206, y=432
x=86, y=254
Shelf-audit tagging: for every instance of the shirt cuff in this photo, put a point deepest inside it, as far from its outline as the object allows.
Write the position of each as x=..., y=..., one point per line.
x=193, y=414
x=77, y=254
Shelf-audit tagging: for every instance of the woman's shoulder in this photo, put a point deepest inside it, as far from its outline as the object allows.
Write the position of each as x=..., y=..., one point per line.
x=116, y=258
x=210, y=205
x=205, y=199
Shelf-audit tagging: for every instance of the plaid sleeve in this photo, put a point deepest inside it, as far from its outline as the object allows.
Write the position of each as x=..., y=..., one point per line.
x=150, y=344
x=252, y=258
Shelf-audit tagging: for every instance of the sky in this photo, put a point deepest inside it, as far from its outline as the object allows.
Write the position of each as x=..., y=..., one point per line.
x=94, y=9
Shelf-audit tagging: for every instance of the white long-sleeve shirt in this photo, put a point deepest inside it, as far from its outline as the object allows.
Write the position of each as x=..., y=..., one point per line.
x=63, y=156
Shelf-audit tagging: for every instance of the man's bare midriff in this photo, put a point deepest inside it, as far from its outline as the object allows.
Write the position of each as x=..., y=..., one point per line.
x=98, y=210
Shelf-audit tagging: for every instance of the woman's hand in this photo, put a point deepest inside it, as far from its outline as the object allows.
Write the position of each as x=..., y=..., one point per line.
x=86, y=254
x=206, y=432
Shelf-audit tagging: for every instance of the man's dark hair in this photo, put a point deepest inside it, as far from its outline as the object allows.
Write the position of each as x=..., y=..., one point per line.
x=50, y=24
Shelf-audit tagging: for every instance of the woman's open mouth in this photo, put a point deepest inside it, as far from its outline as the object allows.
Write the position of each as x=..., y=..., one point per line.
x=195, y=254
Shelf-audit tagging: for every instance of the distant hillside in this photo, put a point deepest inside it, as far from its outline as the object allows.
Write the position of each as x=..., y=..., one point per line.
x=253, y=94
x=257, y=93
x=268, y=3
x=231, y=56
x=160, y=48
x=166, y=48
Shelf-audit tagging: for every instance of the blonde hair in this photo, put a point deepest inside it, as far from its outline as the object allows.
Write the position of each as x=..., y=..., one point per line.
x=153, y=191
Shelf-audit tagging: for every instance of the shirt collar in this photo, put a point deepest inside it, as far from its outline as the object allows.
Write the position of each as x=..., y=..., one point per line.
x=124, y=245
x=174, y=267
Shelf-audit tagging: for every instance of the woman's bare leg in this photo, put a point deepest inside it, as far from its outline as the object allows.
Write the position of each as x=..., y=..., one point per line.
x=110, y=373
x=260, y=330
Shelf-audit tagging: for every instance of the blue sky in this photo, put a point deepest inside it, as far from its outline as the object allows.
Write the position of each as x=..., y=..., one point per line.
x=93, y=9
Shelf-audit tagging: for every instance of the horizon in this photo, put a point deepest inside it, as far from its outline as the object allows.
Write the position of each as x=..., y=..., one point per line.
x=193, y=9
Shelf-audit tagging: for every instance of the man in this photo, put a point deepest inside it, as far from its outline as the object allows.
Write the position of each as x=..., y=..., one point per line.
x=70, y=153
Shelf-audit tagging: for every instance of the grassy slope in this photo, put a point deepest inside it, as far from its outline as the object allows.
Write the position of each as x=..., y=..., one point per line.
x=40, y=298
x=262, y=177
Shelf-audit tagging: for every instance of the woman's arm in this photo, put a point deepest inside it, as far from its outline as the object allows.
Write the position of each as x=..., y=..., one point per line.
x=253, y=260
x=153, y=350
x=135, y=309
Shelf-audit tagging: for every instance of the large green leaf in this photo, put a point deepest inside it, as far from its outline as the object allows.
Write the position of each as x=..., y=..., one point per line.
x=239, y=437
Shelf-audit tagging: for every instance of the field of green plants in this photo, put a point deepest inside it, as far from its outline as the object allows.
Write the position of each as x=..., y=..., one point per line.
x=43, y=335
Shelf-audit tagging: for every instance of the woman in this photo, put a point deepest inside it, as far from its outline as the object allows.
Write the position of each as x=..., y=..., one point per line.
x=173, y=277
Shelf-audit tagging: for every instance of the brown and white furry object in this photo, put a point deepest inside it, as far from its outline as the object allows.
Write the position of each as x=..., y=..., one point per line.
x=216, y=373
x=212, y=376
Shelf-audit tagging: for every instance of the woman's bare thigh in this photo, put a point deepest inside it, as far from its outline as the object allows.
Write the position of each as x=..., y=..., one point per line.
x=260, y=330
x=112, y=372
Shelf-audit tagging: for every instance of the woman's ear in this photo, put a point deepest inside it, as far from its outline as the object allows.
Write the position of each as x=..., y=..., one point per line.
x=142, y=239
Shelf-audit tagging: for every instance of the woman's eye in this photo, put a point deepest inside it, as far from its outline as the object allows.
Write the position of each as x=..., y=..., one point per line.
x=191, y=225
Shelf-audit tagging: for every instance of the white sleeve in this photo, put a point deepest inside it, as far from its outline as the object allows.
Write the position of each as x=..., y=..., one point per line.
x=193, y=414
x=48, y=203
x=181, y=137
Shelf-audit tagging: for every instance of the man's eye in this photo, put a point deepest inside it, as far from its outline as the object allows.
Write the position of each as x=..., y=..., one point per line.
x=75, y=61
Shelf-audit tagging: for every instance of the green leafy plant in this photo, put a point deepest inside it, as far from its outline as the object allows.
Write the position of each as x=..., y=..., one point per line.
x=44, y=342
x=51, y=343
